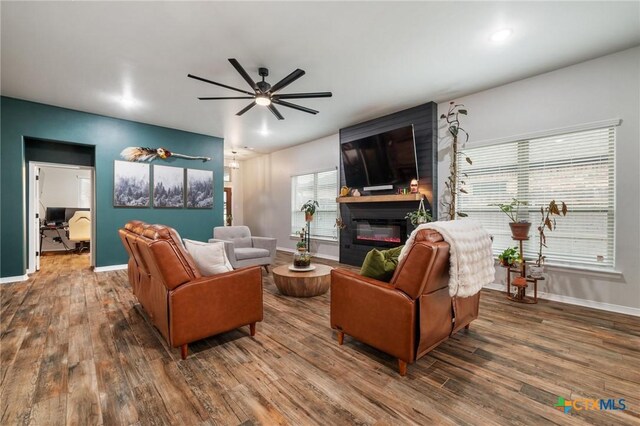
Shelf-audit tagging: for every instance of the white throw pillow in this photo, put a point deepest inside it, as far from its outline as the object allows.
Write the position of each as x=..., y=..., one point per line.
x=210, y=258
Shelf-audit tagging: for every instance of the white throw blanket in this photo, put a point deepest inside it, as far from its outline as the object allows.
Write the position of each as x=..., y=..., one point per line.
x=470, y=254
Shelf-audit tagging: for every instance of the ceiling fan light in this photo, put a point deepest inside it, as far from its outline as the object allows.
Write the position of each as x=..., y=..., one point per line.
x=263, y=100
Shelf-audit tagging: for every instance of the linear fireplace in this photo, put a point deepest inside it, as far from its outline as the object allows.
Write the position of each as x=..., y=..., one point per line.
x=379, y=232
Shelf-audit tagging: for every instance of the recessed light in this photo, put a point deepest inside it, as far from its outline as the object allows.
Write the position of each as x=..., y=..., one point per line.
x=501, y=35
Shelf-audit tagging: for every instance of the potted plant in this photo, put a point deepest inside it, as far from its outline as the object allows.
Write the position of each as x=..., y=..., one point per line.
x=519, y=228
x=309, y=209
x=302, y=259
x=509, y=257
x=419, y=216
x=453, y=183
x=547, y=222
x=301, y=245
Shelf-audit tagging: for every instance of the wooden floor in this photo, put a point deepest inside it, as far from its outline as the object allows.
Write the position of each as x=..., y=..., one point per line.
x=77, y=349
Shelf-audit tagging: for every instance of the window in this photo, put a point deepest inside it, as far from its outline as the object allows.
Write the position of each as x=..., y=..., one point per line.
x=322, y=187
x=84, y=192
x=577, y=168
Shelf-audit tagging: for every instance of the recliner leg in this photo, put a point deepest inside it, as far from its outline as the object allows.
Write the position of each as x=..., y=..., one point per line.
x=252, y=328
x=466, y=327
x=402, y=367
x=340, y=337
x=184, y=350
x=266, y=268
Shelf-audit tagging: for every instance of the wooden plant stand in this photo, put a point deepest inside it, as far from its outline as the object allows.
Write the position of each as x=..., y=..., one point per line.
x=520, y=281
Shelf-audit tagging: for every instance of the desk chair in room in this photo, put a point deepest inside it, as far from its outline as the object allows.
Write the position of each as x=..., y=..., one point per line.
x=80, y=228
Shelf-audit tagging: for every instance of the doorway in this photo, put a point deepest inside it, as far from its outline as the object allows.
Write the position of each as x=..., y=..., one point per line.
x=61, y=214
x=227, y=207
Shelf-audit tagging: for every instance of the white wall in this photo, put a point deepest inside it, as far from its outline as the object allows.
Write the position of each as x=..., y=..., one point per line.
x=600, y=89
x=59, y=187
x=267, y=189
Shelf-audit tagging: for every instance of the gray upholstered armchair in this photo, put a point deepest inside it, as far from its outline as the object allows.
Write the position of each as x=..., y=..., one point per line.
x=243, y=249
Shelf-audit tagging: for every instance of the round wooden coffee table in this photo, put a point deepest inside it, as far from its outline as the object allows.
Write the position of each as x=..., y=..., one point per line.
x=302, y=284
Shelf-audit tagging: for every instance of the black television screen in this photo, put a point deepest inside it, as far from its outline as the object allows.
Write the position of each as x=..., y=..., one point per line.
x=387, y=158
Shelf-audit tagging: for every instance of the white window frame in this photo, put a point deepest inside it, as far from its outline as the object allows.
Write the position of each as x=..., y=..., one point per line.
x=295, y=209
x=532, y=212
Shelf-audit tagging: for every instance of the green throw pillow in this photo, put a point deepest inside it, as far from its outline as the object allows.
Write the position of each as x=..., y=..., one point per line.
x=381, y=264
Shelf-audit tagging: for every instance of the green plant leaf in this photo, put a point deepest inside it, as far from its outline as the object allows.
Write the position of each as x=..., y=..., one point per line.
x=443, y=116
x=463, y=111
x=462, y=214
x=469, y=160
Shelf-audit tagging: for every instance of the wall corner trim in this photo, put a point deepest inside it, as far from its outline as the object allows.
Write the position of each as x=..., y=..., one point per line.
x=609, y=307
x=110, y=268
x=14, y=279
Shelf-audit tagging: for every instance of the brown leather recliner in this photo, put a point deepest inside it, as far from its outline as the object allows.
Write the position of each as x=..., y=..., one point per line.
x=409, y=316
x=183, y=305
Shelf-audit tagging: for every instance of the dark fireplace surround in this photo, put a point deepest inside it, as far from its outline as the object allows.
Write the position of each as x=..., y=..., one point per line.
x=382, y=224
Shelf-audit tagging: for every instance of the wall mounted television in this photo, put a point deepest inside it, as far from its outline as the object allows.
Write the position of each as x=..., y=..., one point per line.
x=381, y=161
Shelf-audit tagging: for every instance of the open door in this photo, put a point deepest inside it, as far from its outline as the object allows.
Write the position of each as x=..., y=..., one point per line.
x=36, y=217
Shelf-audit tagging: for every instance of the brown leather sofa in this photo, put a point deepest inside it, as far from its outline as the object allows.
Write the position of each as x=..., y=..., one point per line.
x=183, y=305
x=409, y=316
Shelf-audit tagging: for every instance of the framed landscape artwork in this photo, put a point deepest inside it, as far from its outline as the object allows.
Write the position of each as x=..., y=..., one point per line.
x=199, y=189
x=130, y=184
x=168, y=186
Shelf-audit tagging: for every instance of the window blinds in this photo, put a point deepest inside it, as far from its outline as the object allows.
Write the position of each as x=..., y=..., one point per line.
x=322, y=187
x=577, y=168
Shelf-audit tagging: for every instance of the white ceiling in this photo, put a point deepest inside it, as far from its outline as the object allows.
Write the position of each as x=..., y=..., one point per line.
x=376, y=57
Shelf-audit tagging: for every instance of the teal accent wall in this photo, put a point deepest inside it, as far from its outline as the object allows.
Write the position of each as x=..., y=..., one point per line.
x=20, y=119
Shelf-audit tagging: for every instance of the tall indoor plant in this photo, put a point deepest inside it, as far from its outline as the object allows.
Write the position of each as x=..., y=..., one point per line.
x=453, y=183
x=547, y=222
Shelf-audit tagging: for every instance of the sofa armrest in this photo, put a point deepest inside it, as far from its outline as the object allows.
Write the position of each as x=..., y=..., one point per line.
x=211, y=305
x=266, y=243
x=373, y=312
x=229, y=248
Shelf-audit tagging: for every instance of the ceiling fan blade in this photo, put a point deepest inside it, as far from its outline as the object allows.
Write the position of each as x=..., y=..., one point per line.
x=247, y=108
x=294, y=106
x=275, y=112
x=287, y=80
x=195, y=77
x=303, y=95
x=231, y=97
x=244, y=74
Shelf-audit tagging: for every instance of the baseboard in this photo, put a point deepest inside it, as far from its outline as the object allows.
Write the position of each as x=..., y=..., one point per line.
x=17, y=278
x=109, y=268
x=609, y=307
x=321, y=256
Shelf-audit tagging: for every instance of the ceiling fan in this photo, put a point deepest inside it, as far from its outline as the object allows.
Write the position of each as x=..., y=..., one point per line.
x=265, y=94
